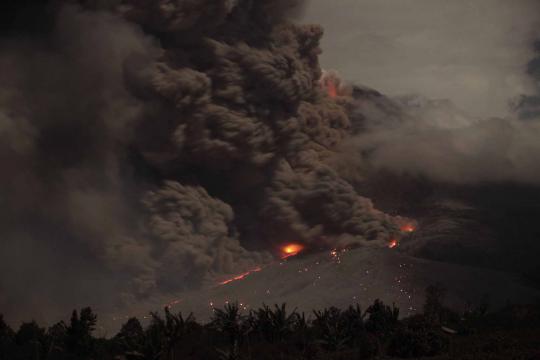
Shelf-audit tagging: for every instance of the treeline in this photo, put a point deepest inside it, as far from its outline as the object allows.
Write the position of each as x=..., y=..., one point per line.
x=277, y=333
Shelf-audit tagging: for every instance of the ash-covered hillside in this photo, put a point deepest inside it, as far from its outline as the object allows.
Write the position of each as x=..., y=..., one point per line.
x=479, y=222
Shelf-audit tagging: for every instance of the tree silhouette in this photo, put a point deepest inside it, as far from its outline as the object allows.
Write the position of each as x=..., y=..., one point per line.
x=56, y=339
x=301, y=332
x=274, y=325
x=232, y=324
x=352, y=320
x=416, y=337
x=130, y=339
x=154, y=336
x=382, y=318
x=7, y=339
x=271, y=333
x=329, y=330
x=79, y=341
x=164, y=335
x=30, y=339
x=433, y=307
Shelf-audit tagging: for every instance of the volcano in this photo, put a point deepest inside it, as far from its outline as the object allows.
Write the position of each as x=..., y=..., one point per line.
x=342, y=278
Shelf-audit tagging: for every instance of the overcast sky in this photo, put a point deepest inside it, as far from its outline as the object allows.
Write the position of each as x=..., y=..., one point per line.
x=473, y=52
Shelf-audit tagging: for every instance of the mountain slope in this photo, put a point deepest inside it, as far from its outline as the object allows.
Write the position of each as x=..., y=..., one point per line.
x=324, y=279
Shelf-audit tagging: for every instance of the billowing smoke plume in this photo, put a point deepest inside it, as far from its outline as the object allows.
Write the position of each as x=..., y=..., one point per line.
x=151, y=146
x=66, y=190
x=528, y=106
x=417, y=136
x=246, y=119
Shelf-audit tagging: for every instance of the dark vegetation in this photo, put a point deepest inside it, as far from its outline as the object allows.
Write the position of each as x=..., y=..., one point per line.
x=277, y=333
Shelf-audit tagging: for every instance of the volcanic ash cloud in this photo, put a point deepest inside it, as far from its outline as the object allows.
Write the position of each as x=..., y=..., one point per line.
x=222, y=153
x=242, y=101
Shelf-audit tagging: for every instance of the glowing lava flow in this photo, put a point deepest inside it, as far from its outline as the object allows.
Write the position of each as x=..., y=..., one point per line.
x=408, y=228
x=287, y=251
x=392, y=244
x=240, y=277
x=291, y=250
x=331, y=83
x=331, y=88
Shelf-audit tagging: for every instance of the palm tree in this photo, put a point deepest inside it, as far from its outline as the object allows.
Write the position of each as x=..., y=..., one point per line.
x=352, y=320
x=274, y=325
x=382, y=322
x=382, y=318
x=329, y=330
x=230, y=322
x=154, y=338
x=163, y=335
x=281, y=322
x=301, y=331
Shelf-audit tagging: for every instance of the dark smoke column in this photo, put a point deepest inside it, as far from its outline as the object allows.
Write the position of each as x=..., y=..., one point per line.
x=237, y=124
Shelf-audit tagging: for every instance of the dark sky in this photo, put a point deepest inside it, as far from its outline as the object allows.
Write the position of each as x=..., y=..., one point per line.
x=473, y=52
x=25, y=16
x=419, y=49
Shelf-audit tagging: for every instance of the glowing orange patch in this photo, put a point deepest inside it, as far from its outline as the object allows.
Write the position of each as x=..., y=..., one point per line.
x=408, y=228
x=331, y=88
x=291, y=250
x=393, y=243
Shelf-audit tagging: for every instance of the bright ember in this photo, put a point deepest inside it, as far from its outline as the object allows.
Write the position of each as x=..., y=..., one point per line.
x=291, y=250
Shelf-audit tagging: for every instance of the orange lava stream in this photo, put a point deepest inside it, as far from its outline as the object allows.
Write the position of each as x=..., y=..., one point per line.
x=286, y=251
x=241, y=276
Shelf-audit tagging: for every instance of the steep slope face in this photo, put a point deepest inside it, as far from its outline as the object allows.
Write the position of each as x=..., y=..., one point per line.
x=487, y=223
x=341, y=278
x=454, y=232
